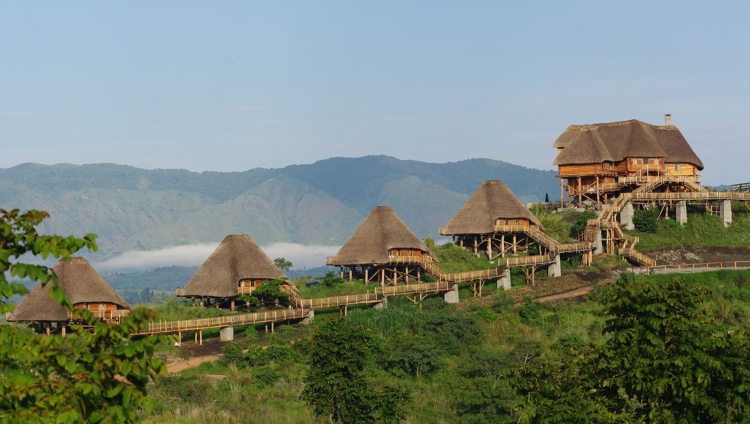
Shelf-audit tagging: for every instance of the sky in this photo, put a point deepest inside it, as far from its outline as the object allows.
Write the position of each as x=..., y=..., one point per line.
x=231, y=85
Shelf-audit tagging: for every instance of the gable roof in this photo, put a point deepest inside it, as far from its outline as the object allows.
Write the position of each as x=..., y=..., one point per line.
x=236, y=258
x=380, y=231
x=79, y=280
x=492, y=200
x=615, y=141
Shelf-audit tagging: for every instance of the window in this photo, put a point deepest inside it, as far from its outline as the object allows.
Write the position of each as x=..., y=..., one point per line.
x=677, y=166
x=518, y=221
x=410, y=253
x=507, y=221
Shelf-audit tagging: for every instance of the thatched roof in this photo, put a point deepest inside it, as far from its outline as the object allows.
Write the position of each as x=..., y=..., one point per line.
x=236, y=258
x=492, y=200
x=616, y=141
x=79, y=280
x=381, y=230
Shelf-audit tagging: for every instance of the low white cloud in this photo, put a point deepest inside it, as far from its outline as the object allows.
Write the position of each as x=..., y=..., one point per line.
x=194, y=255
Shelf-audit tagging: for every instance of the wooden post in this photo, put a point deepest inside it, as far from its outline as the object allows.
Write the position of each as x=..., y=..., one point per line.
x=502, y=245
x=272, y=327
x=196, y=337
x=475, y=244
x=407, y=274
x=63, y=329
x=367, y=274
x=578, y=189
x=598, y=203
x=350, y=274
x=562, y=204
x=346, y=310
x=48, y=328
x=201, y=336
x=232, y=307
x=515, y=244
x=341, y=271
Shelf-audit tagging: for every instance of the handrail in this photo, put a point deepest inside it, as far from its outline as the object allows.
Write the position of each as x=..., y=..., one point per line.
x=225, y=321
x=693, y=268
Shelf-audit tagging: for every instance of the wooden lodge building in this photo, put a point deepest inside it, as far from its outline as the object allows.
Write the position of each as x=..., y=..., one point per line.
x=599, y=161
x=236, y=267
x=493, y=222
x=383, y=250
x=85, y=288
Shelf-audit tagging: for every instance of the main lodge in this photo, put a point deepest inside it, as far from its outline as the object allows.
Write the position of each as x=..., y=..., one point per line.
x=599, y=161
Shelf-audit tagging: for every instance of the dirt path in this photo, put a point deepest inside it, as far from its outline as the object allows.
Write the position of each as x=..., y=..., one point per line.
x=184, y=364
x=579, y=292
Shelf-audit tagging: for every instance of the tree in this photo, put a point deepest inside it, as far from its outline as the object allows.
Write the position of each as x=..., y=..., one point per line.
x=269, y=293
x=283, y=264
x=93, y=376
x=337, y=385
x=646, y=220
x=666, y=360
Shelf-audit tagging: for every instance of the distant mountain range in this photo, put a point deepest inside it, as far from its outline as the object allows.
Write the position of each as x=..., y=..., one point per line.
x=317, y=204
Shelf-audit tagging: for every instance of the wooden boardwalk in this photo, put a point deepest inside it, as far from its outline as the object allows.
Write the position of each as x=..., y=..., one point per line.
x=301, y=312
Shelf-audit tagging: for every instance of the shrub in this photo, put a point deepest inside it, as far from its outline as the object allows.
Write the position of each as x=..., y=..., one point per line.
x=646, y=220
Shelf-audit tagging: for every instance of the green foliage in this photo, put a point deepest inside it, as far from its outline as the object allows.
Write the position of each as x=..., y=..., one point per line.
x=646, y=220
x=579, y=224
x=283, y=264
x=67, y=379
x=554, y=224
x=429, y=242
x=331, y=279
x=268, y=294
x=413, y=356
x=337, y=385
x=665, y=360
x=456, y=259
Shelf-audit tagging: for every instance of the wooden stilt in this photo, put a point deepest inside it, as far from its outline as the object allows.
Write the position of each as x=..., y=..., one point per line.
x=201, y=337
x=272, y=323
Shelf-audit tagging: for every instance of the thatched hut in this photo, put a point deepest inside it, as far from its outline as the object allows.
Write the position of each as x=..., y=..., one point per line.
x=600, y=160
x=383, y=249
x=85, y=288
x=493, y=220
x=236, y=267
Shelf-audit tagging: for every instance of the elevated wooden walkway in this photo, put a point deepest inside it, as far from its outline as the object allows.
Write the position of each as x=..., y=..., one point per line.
x=304, y=306
x=277, y=315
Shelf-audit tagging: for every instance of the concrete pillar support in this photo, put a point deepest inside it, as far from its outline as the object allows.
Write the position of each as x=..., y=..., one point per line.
x=598, y=246
x=310, y=317
x=226, y=334
x=681, y=212
x=626, y=216
x=504, y=281
x=451, y=296
x=725, y=211
x=555, y=270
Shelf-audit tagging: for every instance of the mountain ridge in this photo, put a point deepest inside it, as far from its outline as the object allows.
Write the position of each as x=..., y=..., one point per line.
x=321, y=203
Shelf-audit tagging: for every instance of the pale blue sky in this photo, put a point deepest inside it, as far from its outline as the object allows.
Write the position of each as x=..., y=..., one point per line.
x=229, y=86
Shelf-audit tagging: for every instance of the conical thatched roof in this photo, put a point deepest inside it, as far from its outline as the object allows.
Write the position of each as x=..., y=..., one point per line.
x=79, y=280
x=616, y=141
x=381, y=230
x=236, y=258
x=492, y=200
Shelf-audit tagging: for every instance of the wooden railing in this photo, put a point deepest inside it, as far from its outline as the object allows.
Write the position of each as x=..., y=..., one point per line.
x=225, y=321
x=692, y=268
x=699, y=195
x=350, y=299
x=432, y=287
x=527, y=260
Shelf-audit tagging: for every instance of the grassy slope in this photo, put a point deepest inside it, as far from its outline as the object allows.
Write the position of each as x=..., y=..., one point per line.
x=701, y=230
